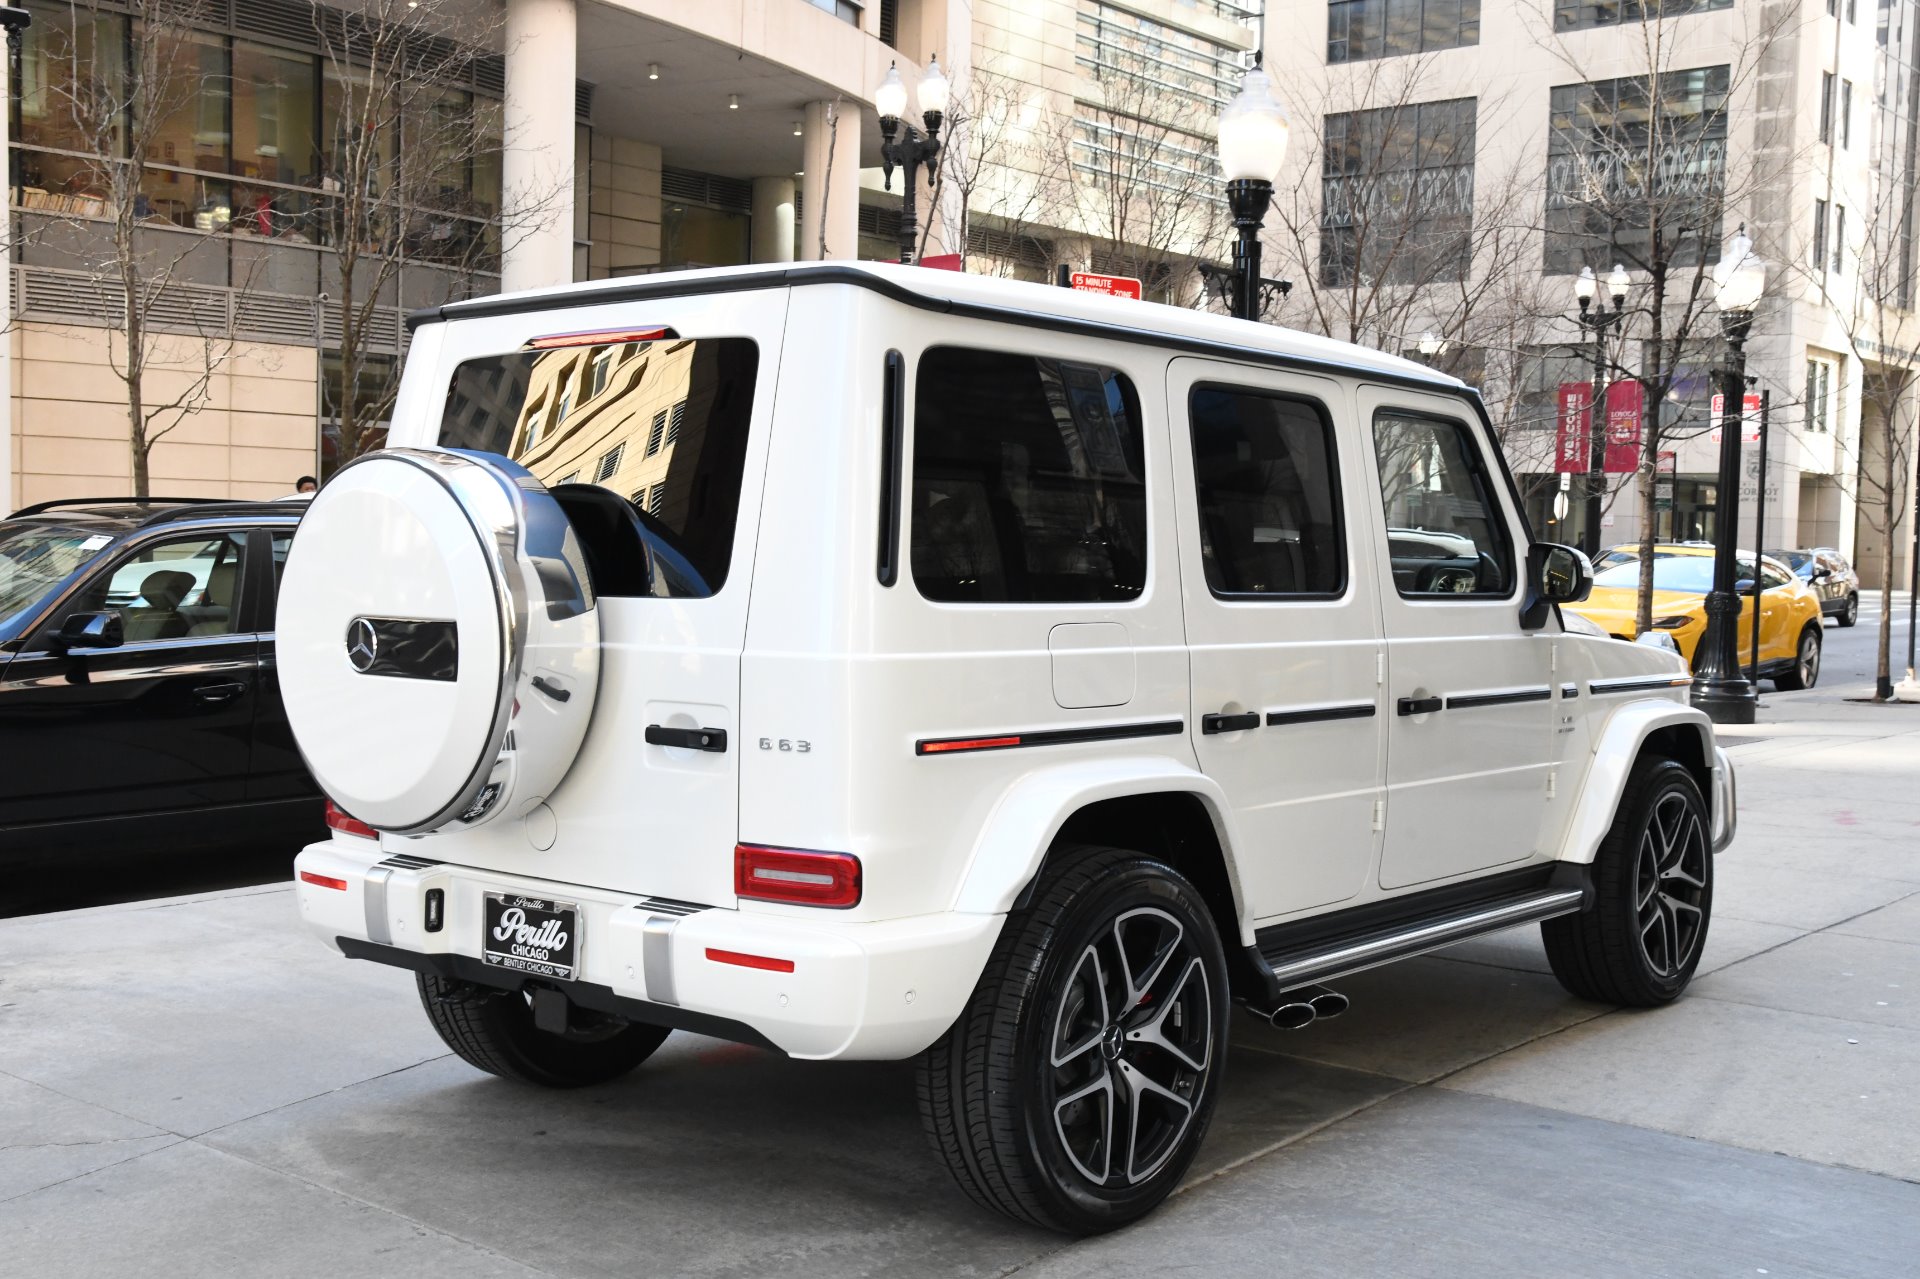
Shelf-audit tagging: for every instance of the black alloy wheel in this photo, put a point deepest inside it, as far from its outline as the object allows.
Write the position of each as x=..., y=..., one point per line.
x=1075, y=1088
x=1639, y=941
x=1851, y=613
x=1805, y=671
x=1670, y=884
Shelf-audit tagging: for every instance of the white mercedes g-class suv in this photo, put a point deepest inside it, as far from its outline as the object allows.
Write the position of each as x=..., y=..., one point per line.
x=875, y=662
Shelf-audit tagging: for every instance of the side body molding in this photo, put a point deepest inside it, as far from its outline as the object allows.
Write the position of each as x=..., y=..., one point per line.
x=1626, y=731
x=1015, y=838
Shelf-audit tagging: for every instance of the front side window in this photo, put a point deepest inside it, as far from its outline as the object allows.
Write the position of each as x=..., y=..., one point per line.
x=34, y=560
x=1268, y=494
x=1029, y=481
x=174, y=589
x=692, y=480
x=1445, y=532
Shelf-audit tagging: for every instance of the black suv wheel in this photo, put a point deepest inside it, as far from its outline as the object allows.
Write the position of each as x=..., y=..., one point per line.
x=1851, y=613
x=1076, y=1087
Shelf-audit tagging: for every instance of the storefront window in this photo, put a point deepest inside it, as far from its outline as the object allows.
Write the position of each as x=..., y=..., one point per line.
x=693, y=235
x=274, y=99
x=71, y=82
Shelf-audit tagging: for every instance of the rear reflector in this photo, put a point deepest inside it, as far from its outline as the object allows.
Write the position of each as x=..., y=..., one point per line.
x=322, y=881
x=600, y=337
x=793, y=875
x=967, y=744
x=750, y=961
x=337, y=819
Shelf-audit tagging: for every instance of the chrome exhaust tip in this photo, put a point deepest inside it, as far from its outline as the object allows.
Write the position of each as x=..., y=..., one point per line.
x=1327, y=1003
x=1292, y=1014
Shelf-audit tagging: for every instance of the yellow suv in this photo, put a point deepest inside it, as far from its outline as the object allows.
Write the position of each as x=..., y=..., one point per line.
x=1790, y=627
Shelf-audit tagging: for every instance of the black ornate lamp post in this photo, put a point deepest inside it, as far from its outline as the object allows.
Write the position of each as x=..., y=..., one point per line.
x=910, y=149
x=1720, y=686
x=1596, y=317
x=1253, y=146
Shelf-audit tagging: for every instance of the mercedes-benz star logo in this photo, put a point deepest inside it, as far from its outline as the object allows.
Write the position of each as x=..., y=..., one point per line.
x=363, y=644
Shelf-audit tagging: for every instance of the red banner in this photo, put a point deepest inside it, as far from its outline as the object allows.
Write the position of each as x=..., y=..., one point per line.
x=1624, y=403
x=1570, y=446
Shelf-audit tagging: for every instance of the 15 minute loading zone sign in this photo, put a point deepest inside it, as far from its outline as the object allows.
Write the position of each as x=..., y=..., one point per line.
x=1119, y=286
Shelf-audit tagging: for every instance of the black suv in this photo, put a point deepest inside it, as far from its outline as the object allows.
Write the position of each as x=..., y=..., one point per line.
x=138, y=701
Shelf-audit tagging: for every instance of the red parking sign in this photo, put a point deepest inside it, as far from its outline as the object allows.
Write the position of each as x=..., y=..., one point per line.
x=1119, y=286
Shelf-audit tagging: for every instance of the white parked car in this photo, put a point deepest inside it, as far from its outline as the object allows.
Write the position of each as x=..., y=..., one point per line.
x=872, y=662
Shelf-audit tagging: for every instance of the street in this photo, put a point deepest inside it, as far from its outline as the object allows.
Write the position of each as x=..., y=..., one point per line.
x=195, y=1085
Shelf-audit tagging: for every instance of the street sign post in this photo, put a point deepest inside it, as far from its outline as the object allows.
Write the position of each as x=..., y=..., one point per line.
x=1119, y=286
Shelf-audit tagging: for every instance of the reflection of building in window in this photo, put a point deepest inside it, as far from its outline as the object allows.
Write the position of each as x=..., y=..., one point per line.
x=1579, y=15
x=1605, y=138
x=1397, y=193
x=1362, y=29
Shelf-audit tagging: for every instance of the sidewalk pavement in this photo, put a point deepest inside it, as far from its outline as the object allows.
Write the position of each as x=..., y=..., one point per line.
x=196, y=1087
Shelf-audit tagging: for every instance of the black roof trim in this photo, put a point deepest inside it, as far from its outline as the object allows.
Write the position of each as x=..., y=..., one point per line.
x=664, y=285
x=58, y=502
x=182, y=508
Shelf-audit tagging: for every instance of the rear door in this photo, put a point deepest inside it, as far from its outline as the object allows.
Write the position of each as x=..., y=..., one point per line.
x=675, y=428
x=161, y=723
x=1471, y=695
x=1283, y=626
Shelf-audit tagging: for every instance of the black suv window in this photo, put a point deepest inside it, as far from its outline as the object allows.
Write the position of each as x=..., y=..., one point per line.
x=34, y=559
x=172, y=588
x=1444, y=529
x=662, y=425
x=1269, y=498
x=1029, y=481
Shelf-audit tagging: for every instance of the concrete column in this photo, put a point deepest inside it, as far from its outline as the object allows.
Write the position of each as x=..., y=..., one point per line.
x=773, y=219
x=830, y=191
x=537, y=169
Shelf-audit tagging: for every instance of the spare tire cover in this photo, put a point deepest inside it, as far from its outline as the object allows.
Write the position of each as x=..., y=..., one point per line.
x=437, y=640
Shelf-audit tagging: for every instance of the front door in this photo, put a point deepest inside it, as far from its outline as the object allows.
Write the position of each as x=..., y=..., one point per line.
x=1283, y=626
x=161, y=723
x=1471, y=695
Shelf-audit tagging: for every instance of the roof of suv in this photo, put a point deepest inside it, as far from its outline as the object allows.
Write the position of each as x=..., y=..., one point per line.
x=125, y=514
x=956, y=292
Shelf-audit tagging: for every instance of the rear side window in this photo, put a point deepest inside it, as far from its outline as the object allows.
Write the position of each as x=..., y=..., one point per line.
x=1029, y=481
x=1269, y=497
x=661, y=424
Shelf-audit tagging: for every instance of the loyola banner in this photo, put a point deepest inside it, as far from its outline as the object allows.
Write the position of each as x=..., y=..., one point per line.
x=1624, y=403
x=1570, y=446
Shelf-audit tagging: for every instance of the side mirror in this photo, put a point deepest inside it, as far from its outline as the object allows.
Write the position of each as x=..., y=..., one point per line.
x=1745, y=586
x=1555, y=575
x=1819, y=573
x=89, y=630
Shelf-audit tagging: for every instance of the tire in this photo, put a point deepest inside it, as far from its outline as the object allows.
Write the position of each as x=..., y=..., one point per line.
x=1851, y=613
x=1618, y=950
x=494, y=1031
x=1805, y=671
x=1029, y=1095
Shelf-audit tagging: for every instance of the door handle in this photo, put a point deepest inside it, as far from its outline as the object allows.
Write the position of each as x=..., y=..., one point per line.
x=1419, y=705
x=1229, y=723
x=213, y=694
x=692, y=739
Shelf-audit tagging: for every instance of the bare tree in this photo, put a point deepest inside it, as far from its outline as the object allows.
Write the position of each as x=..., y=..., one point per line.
x=1871, y=300
x=1637, y=173
x=400, y=168
x=997, y=165
x=114, y=105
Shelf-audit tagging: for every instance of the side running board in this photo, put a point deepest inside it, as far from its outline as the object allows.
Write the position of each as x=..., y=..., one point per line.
x=1318, y=950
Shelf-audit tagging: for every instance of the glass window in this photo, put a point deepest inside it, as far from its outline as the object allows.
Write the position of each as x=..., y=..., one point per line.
x=1826, y=106
x=1361, y=29
x=1028, y=481
x=72, y=79
x=1839, y=237
x=1579, y=15
x=1819, y=395
x=1819, y=235
x=174, y=589
x=693, y=483
x=1397, y=193
x=1445, y=532
x=34, y=559
x=1269, y=494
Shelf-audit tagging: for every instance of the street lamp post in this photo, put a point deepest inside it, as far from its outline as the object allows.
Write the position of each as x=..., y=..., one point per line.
x=1253, y=146
x=909, y=149
x=1594, y=315
x=1431, y=347
x=1720, y=687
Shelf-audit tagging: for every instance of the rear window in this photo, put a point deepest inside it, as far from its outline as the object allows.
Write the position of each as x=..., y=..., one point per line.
x=1028, y=481
x=661, y=424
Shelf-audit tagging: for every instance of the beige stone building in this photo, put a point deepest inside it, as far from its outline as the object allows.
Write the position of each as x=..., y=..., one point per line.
x=696, y=132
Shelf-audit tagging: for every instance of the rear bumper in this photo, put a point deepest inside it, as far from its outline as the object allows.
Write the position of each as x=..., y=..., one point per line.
x=1725, y=800
x=857, y=990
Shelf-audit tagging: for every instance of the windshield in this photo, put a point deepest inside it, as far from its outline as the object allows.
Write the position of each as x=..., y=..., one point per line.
x=34, y=559
x=1670, y=573
x=1796, y=560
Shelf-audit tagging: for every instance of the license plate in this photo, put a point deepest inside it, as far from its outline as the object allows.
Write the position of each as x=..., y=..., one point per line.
x=532, y=935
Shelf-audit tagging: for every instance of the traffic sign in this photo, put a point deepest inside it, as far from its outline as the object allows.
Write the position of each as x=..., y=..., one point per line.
x=1119, y=286
x=1749, y=417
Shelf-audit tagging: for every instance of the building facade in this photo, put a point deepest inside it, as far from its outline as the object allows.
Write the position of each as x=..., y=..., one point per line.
x=1467, y=157
x=314, y=174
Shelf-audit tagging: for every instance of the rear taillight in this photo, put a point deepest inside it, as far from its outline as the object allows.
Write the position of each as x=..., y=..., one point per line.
x=346, y=825
x=795, y=876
